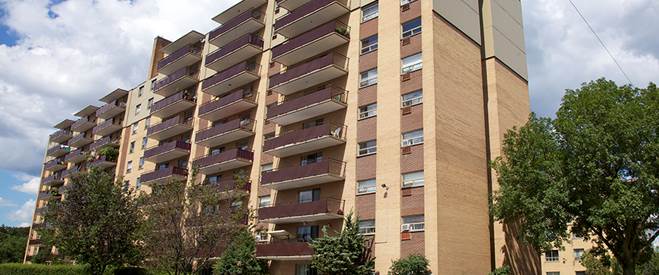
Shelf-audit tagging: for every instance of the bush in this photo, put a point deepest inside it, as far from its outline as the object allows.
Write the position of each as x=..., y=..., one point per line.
x=38, y=269
x=413, y=264
x=504, y=270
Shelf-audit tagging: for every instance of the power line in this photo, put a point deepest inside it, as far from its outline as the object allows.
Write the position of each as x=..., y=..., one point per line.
x=601, y=42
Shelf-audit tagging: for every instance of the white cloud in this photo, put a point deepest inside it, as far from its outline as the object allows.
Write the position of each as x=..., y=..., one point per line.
x=5, y=203
x=23, y=215
x=30, y=184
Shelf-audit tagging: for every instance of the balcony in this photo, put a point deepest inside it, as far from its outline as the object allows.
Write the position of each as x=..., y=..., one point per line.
x=104, y=162
x=168, y=151
x=312, y=73
x=82, y=125
x=54, y=165
x=105, y=141
x=234, y=52
x=302, y=176
x=245, y=23
x=322, y=102
x=309, y=44
x=284, y=251
x=35, y=241
x=164, y=175
x=170, y=128
x=231, y=78
x=237, y=9
x=180, y=58
x=108, y=127
x=110, y=110
x=72, y=172
x=61, y=136
x=228, y=187
x=229, y=160
x=80, y=140
x=305, y=140
x=231, y=104
x=226, y=132
x=309, y=16
x=173, y=104
x=176, y=81
x=58, y=151
x=53, y=180
x=327, y=209
x=291, y=4
x=76, y=156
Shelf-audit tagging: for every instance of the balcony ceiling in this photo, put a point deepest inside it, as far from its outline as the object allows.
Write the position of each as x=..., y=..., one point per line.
x=226, y=137
x=313, y=20
x=175, y=153
x=237, y=9
x=292, y=4
x=230, y=84
x=224, y=166
x=171, y=131
x=303, y=182
x=305, y=218
x=90, y=109
x=114, y=95
x=241, y=54
x=251, y=25
x=228, y=110
x=174, y=108
x=183, y=61
x=310, y=111
x=305, y=146
x=187, y=39
x=306, y=51
x=64, y=124
x=310, y=79
x=178, y=85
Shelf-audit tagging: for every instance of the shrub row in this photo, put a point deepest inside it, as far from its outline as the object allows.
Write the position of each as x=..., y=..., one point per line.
x=38, y=269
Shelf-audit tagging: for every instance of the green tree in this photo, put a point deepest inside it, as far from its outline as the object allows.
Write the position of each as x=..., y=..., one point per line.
x=12, y=243
x=240, y=257
x=411, y=265
x=594, y=167
x=98, y=223
x=504, y=270
x=343, y=253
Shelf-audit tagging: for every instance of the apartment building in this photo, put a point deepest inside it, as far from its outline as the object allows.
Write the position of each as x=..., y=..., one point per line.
x=389, y=110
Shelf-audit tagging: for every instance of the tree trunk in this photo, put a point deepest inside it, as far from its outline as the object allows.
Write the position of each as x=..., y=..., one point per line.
x=628, y=265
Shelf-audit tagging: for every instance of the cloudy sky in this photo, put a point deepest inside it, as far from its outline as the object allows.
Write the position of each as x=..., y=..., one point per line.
x=56, y=56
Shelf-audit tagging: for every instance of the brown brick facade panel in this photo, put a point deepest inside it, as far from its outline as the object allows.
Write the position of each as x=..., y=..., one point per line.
x=415, y=245
x=413, y=12
x=366, y=129
x=368, y=95
x=414, y=83
x=368, y=28
x=368, y=61
x=366, y=167
x=327, y=191
x=414, y=46
x=413, y=120
x=412, y=201
x=365, y=206
x=412, y=162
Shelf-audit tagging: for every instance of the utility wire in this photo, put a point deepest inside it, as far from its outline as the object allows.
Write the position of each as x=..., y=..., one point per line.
x=601, y=42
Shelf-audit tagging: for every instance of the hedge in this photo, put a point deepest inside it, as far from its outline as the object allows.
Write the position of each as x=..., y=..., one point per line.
x=38, y=269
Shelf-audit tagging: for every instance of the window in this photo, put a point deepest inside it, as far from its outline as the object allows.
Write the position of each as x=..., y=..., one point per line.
x=261, y=236
x=367, y=148
x=264, y=201
x=412, y=138
x=366, y=186
x=368, y=78
x=367, y=227
x=126, y=185
x=553, y=273
x=413, y=223
x=132, y=147
x=580, y=273
x=138, y=183
x=578, y=253
x=141, y=164
x=266, y=167
x=153, y=84
x=213, y=179
x=304, y=269
x=370, y=11
x=147, y=123
x=144, y=141
x=307, y=233
x=411, y=99
x=411, y=63
x=551, y=256
x=235, y=205
x=134, y=128
x=138, y=108
x=367, y=111
x=308, y=196
x=369, y=44
x=311, y=158
x=412, y=27
x=149, y=104
x=405, y=2
x=129, y=167
x=313, y=123
x=413, y=179
x=140, y=91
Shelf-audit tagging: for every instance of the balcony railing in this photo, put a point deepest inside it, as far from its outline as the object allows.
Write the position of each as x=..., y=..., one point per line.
x=231, y=78
x=225, y=132
x=235, y=51
x=308, y=44
x=309, y=16
x=325, y=209
x=318, y=103
x=76, y=156
x=71, y=172
x=104, y=162
x=168, y=151
x=248, y=22
x=105, y=141
x=111, y=109
x=305, y=140
x=53, y=180
x=179, y=79
x=284, y=250
x=80, y=140
x=324, y=68
x=61, y=136
x=231, y=159
x=233, y=103
x=54, y=165
x=301, y=176
x=171, y=127
x=173, y=104
x=164, y=175
x=58, y=150
x=108, y=127
x=82, y=125
x=177, y=54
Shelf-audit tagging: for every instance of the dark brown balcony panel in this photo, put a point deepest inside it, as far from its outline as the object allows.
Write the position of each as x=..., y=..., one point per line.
x=49, y=195
x=284, y=251
x=170, y=128
x=58, y=150
x=164, y=175
x=105, y=141
x=301, y=176
x=318, y=103
x=233, y=103
x=234, y=52
x=234, y=77
x=35, y=241
x=229, y=160
x=82, y=125
x=291, y=4
x=168, y=151
x=226, y=132
x=237, y=9
x=327, y=209
x=306, y=45
x=108, y=127
x=41, y=210
x=248, y=22
x=76, y=156
x=72, y=172
x=309, y=16
x=180, y=58
x=61, y=136
x=309, y=74
x=80, y=140
x=111, y=109
x=53, y=180
x=305, y=140
x=54, y=165
x=103, y=162
x=173, y=104
x=176, y=81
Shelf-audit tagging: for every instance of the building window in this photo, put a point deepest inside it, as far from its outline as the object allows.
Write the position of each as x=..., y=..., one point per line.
x=580, y=273
x=405, y=2
x=126, y=185
x=366, y=186
x=367, y=111
x=313, y=123
x=367, y=148
x=131, y=149
x=147, y=123
x=149, y=104
x=412, y=138
x=264, y=201
x=413, y=179
x=138, y=108
x=553, y=273
x=311, y=159
x=412, y=224
x=138, y=183
x=144, y=141
x=367, y=227
x=266, y=167
x=236, y=205
x=369, y=44
x=134, y=128
x=411, y=63
x=307, y=233
x=140, y=91
x=153, y=84
x=412, y=27
x=411, y=99
x=370, y=11
x=368, y=78
x=129, y=167
x=261, y=236
x=141, y=164
x=551, y=256
x=308, y=196
x=578, y=253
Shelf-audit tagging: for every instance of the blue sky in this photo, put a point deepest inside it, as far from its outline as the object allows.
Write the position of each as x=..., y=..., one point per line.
x=65, y=54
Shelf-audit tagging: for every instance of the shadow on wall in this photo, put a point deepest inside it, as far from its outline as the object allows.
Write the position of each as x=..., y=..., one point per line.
x=522, y=259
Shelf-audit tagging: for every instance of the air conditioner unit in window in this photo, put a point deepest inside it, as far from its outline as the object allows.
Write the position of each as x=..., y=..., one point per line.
x=405, y=7
x=406, y=150
x=405, y=41
x=405, y=77
x=406, y=110
x=405, y=228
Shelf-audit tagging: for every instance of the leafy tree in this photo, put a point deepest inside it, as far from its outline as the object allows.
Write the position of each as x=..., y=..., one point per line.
x=599, y=264
x=504, y=270
x=12, y=243
x=240, y=257
x=594, y=167
x=97, y=223
x=343, y=253
x=412, y=265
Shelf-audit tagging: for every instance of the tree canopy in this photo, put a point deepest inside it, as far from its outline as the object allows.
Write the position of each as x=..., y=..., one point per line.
x=411, y=265
x=240, y=257
x=12, y=243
